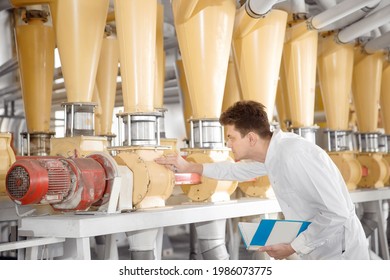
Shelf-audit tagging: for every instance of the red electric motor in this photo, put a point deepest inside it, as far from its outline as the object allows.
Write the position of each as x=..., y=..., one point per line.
x=65, y=183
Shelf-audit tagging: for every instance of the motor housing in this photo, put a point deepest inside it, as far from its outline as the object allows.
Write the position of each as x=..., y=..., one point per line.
x=65, y=183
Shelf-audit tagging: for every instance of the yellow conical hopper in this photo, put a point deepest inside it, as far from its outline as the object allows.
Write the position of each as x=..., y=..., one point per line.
x=79, y=30
x=232, y=92
x=300, y=59
x=258, y=53
x=160, y=59
x=106, y=82
x=204, y=31
x=98, y=110
x=385, y=97
x=281, y=101
x=136, y=30
x=385, y=103
x=35, y=44
x=366, y=87
x=7, y=158
x=335, y=65
x=186, y=96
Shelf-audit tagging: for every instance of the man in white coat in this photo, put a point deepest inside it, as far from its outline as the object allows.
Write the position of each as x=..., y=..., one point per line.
x=306, y=182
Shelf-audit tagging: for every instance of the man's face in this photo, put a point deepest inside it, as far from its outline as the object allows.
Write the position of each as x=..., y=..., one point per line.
x=239, y=145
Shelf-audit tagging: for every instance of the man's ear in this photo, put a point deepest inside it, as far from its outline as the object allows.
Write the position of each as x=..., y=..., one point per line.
x=252, y=138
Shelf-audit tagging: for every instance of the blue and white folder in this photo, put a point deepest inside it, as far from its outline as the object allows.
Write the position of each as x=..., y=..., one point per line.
x=270, y=232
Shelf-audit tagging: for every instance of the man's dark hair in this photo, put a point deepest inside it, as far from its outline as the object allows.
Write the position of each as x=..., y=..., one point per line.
x=247, y=116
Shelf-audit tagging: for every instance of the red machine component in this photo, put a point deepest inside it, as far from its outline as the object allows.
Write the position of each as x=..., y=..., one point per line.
x=65, y=183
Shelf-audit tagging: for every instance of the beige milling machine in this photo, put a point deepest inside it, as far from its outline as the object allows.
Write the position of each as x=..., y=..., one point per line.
x=205, y=49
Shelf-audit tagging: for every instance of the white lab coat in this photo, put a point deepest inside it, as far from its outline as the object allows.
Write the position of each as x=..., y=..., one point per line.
x=308, y=186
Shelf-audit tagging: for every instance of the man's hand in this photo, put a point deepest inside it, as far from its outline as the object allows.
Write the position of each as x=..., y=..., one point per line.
x=278, y=251
x=178, y=164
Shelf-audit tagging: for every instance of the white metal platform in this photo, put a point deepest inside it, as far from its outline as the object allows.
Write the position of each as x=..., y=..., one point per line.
x=78, y=228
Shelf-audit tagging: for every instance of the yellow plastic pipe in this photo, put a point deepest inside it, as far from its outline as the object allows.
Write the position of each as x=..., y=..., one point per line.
x=136, y=31
x=79, y=30
x=258, y=54
x=35, y=44
x=335, y=65
x=204, y=37
x=300, y=61
x=366, y=87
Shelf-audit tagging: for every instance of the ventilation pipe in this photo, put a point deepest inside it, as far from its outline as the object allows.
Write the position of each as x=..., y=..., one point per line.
x=353, y=9
x=258, y=8
x=365, y=25
x=379, y=43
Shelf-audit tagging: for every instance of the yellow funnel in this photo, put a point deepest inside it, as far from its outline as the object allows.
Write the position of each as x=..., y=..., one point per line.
x=160, y=59
x=385, y=97
x=300, y=59
x=79, y=30
x=106, y=82
x=335, y=65
x=7, y=158
x=258, y=53
x=232, y=90
x=282, y=106
x=136, y=29
x=186, y=96
x=35, y=43
x=98, y=110
x=204, y=31
x=366, y=86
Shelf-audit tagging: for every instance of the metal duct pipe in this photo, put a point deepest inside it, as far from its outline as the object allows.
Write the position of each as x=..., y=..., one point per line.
x=8, y=66
x=258, y=8
x=365, y=25
x=378, y=43
x=385, y=28
x=5, y=5
x=338, y=12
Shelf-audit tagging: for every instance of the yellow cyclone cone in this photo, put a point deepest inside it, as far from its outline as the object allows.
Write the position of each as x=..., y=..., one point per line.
x=106, y=81
x=385, y=97
x=204, y=31
x=232, y=89
x=258, y=53
x=335, y=65
x=136, y=31
x=35, y=44
x=281, y=101
x=160, y=59
x=186, y=96
x=300, y=61
x=366, y=87
x=79, y=30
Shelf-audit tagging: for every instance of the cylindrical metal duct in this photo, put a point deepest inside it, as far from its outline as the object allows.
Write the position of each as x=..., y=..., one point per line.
x=365, y=25
x=378, y=43
x=136, y=29
x=258, y=55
